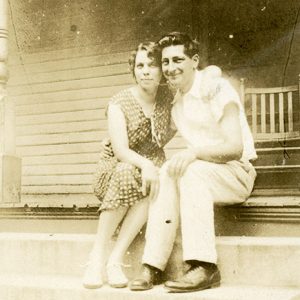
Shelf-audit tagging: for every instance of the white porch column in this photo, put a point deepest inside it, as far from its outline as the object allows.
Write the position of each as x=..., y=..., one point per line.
x=10, y=164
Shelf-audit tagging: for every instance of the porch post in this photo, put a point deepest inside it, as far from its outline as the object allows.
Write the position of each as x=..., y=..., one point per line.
x=10, y=164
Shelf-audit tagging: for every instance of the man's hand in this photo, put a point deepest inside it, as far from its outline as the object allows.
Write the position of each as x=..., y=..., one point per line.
x=179, y=162
x=150, y=180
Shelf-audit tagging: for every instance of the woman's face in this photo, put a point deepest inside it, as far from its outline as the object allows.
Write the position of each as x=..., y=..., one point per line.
x=147, y=72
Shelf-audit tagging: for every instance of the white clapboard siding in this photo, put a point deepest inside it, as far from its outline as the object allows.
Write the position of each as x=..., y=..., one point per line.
x=75, y=105
x=60, y=99
x=68, y=95
x=60, y=138
x=74, y=148
x=36, y=199
x=61, y=191
x=60, y=169
x=81, y=126
x=57, y=180
x=74, y=55
x=71, y=116
x=59, y=159
x=65, y=85
x=31, y=76
x=61, y=120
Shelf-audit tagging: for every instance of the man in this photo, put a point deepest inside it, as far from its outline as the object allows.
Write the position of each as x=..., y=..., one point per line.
x=214, y=167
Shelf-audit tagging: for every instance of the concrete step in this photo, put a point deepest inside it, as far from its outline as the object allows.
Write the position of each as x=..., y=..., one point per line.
x=278, y=177
x=278, y=143
x=242, y=260
x=266, y=215
x=16, y=287
x=277, y=156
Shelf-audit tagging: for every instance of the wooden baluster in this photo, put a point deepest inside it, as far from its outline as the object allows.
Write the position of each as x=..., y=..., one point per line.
x=281, y=113
x=290, y=111
x=263, y=112
x=254, y=114
x=272, y=113
x=299, y=101
x=242, y=91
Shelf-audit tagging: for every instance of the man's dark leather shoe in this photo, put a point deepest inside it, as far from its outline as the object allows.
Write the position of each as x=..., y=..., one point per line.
x=147, y=278
x=196, y=279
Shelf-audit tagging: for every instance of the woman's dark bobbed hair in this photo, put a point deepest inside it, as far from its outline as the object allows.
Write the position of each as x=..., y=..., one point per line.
x=153, y=52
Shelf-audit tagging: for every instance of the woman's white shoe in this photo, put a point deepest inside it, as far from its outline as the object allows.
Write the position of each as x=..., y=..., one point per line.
x=115, y=276
x=93, y=278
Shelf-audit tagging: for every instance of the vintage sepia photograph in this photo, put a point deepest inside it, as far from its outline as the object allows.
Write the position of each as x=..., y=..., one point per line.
x=149, y=150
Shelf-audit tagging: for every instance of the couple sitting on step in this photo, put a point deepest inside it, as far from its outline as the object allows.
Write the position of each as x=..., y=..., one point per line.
x=136, y=185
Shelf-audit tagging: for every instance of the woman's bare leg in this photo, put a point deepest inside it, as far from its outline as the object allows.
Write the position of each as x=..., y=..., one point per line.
x=133, y=222
x=108, y=222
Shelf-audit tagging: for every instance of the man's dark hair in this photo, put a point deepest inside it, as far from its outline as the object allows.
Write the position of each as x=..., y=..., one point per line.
x=191, y=47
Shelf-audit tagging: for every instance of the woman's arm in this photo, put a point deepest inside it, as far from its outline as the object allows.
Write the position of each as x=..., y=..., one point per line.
x=117, y=130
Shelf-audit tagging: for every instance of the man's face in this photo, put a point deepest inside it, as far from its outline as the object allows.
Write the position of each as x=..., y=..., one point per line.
x=178, y=68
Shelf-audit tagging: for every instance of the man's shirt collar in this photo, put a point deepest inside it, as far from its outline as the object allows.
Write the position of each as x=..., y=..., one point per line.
x=194, y=90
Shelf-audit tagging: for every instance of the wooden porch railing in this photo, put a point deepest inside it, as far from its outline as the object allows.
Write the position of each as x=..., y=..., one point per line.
x=275, y=112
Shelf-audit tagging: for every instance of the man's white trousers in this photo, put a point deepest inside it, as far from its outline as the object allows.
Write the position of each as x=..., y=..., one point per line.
x=190, y=202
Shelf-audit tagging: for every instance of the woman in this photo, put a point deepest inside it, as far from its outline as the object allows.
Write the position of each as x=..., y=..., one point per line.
x=125, y=182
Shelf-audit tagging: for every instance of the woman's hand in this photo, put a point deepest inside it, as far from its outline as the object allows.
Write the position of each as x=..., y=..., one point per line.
x=107, y=151
x=179, y=162
x=150, y=180
x=210, y=82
